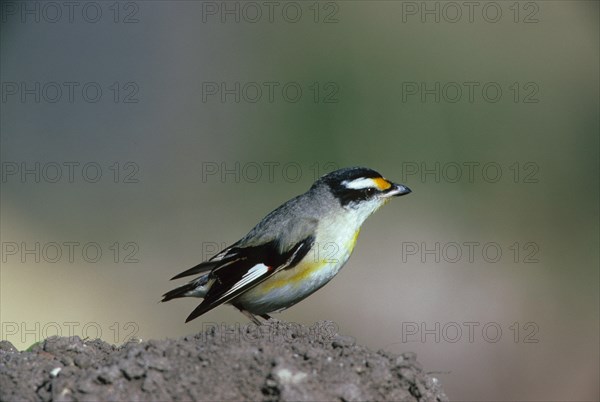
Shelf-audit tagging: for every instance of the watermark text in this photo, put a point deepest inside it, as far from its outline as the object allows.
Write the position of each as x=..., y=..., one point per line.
x=69, y=172
x=32, y=332
x=71, y=12
x=253, y=12
x=71, y=252
x=452, y=12
x=470, y=332
x=269, y=92
x=31, y=92
x=526, y=172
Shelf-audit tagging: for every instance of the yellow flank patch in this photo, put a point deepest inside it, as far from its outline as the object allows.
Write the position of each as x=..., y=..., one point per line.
x=291, y=277
x=305, y=269
x=353, y=241
x=382, y=183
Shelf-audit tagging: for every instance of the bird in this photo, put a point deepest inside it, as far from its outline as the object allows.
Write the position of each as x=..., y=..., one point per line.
x=294, y=250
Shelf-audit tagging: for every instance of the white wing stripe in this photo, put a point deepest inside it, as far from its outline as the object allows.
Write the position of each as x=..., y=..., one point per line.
x=253, y=273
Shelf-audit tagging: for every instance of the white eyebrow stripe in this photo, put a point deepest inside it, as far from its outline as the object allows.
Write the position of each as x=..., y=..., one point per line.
x=358, y=184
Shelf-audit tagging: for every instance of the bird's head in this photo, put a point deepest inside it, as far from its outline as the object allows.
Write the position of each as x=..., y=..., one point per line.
x=361, y=189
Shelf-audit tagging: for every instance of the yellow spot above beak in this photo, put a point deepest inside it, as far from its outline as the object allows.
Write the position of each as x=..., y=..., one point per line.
x=382, y=183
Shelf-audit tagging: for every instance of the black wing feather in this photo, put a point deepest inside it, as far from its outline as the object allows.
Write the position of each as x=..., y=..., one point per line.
x=226, y=256
x=198, y=269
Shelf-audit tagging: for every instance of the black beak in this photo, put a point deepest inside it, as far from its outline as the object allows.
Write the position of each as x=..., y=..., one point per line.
x=397, y=190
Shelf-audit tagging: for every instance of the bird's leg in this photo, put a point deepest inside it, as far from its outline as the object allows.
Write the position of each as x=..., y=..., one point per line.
x=249, y=315
x=266, y=316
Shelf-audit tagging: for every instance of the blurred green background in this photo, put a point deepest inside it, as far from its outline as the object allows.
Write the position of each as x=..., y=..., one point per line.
x=146, y=94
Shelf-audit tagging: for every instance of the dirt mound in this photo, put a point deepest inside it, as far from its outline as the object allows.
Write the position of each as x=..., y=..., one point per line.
x=276, y=361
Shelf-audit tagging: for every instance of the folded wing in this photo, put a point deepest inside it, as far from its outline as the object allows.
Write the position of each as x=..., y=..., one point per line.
x=257, y=264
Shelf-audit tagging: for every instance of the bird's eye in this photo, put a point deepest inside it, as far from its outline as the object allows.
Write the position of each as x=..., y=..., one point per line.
x=370, y=191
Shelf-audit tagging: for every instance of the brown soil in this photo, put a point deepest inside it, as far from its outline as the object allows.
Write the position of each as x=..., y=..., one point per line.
x=276, y=361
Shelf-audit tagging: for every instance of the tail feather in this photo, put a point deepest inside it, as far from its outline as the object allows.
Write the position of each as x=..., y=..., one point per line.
x=177, y=292
x=184, y=290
